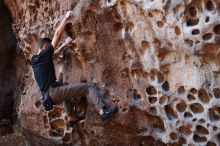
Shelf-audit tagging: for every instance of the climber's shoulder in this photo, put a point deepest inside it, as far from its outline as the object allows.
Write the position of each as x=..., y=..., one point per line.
x=44, y=55
x=48, y=51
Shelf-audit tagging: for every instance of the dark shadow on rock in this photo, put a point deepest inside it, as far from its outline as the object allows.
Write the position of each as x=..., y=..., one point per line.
x=7, y=72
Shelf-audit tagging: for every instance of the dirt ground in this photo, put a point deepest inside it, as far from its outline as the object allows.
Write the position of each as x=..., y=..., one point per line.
x=14, y=139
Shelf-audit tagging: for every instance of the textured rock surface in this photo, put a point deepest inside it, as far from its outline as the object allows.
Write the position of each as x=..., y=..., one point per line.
x=157, y=60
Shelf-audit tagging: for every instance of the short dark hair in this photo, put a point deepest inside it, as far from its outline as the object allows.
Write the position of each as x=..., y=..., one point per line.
x=43, y=41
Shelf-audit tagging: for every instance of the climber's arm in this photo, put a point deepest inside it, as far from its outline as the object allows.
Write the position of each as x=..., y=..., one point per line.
x=60, y=29
x=60, y=49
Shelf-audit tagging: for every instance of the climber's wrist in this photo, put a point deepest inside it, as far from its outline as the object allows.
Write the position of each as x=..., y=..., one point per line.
x=68, y=15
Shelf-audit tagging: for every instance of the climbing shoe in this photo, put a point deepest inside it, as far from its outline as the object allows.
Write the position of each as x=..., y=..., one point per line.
x=108, y=112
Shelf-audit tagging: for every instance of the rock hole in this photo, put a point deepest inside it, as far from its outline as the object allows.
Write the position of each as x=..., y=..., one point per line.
x=193, y=91
x=133, y=97
x=58, y=124
x=195, y=31
x=141, y=51
x=93, y=132
x=194, y=120
x=203, y=96
x=217, y=29
x=196, y=108
x=181, y=107
x=198, y=138
x=208, y=125
x=214, y=114
x=160, y=77
x=215, y=128
x=189, y=42
x=197, y=42
x=56, y=112
x=150, y=15
x=192, y=22
x=151, y=90
x=209, y=143
x=192, y=11
x=45, y=9
x=144, y=44
x=186, y=130
x=68, y=30
x=163, y=99
x=160, y=24
x=37, y=104
x=170, y=112
x=173, y=136
x=156, y=42
x=190, y=97
x=166, y=86
x=200, y=130
x=201, y=121
x=177, y=31
x=152, y=77
x=118, y=26
x=124, y=110
x=176, y=8
x=54, y=133
x=207, y=36
x=46, y=122
x=187, y=115
x=153, y=110
x=182, y=140
x=207, y=19
x=181, y=90
x=210, y=6
x=217, y=39
x=87, y=35
x=216, y=92
x=129, y=26
x=67, y=138
x=152, y=100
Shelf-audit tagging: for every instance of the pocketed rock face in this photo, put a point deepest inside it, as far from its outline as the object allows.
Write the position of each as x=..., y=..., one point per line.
x=157, y=60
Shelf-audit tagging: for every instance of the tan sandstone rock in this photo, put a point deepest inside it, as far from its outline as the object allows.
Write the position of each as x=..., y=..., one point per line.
x=157, y=59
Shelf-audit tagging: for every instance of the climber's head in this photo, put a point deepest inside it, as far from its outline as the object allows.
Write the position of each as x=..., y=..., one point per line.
x=43, y=43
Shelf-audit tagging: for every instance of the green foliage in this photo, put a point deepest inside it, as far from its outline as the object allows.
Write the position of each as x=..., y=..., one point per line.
x=5, y=121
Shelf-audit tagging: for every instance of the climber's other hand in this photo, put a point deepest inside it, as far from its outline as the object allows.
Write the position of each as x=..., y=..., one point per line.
x=69, y=14
x=68, y=40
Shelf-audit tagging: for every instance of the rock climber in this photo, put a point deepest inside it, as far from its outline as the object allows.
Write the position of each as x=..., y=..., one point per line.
x=52, y=91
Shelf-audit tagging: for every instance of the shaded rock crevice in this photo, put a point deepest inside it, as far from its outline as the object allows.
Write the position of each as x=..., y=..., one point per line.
x=8, y=75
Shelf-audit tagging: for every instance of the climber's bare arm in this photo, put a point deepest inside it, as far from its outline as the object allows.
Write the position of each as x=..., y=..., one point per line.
x=60, y=49
x=60, y=29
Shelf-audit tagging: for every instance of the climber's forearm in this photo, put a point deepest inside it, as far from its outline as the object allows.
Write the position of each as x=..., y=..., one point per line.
x=59, y=31
x=59, y=50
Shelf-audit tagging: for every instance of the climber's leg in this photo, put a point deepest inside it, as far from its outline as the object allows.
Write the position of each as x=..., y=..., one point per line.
x=68, y=94
x=97, y=99
x=76, y=91
x=62, y=93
